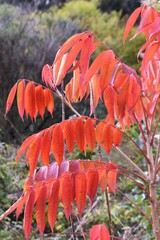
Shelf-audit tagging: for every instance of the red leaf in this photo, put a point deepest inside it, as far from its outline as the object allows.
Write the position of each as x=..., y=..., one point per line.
x=45, y=147
x=108, y=64
x=99, y=232
x=79, y=134
x=95, y=66
x=68, y=44
x=20, y=97
x=57, y=144
x=10, y=98
x=47, y=75
x=122, y=100
x=117, y=136
x=66, y=193
x=21, y=203
x=28, y=214
x=130, y=23
x=112, y=179
x=69, y=135
x=49, y=100
x=107, y=137
x=102, y=178
x=33, y=153
x=40, y=101
x=99, y=132
x=53, y=205
x=95, y=81
x=85, y=56
x=109, y=100
x=25, y=145
x=40, y=208
x=90, y=133
x=29, y=100
x=92, y=183
x=80, y=191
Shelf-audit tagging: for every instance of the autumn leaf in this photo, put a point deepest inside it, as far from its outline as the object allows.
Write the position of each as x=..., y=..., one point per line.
x=20, y=97
x=99, y=232
x=10, y=98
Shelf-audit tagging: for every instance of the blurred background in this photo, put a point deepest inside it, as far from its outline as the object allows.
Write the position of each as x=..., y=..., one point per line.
x=31, y=32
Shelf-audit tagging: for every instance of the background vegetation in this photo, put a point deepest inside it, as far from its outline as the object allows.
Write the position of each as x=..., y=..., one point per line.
x=30, y=35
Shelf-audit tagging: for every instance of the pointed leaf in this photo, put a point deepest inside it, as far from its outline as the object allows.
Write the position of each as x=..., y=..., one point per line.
x=45, y=147
x=90, y=134
x=92, y=183
x=49, y=100
x=79, y=134
x=20, y=97
x=69, y=135
x=112, y=179
x=10, y=98
x=80, y=191
x=40, y=101
x=117, y=136
x=40, y=209
x=57, y=144
x=28, y=214
x=130, y=23
x=107, y=137
x=99, y=232
x=85, y=56
x=66, y=193
x=29, y=100
x=53, y=205
x=33, y=153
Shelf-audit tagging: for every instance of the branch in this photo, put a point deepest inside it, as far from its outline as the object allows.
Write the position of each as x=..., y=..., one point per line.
x=131, y=162
x=109, y=213
x=139, y=209
x=144, y=155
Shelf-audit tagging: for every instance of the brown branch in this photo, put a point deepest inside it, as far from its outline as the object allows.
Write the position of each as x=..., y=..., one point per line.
x=139, y=209
x=109, y=213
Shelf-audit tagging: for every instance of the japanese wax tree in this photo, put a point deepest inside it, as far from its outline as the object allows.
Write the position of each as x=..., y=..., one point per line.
x=129, y=98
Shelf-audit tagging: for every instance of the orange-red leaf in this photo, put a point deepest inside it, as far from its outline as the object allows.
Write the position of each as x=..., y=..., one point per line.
x=53, y=205
x=47, y=75
x=10, y=98
x=45, y=147
x=33, y=153
x=107, y=67
x=40, y=101
x=92, y=183
x=29, y=100
x=85, y=56
x=80, y=191
x=25, y=145
x=40, y=208
x=28, y=214
x=49, y=100
x=112, y=179
x=90, y=133
x=131, y=21
x=117, y=136
x=20, y=98
x=107, y=137
x=99, y=132
x=67, y=45
x=66, y=193
x=69, y=135
x=79, y=134
x=109, y=100
x=99, y=232
x=57, y=144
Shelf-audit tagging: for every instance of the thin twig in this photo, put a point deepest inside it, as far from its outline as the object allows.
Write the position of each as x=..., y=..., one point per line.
x=131, y=162
x=73, y=228
x=139, y=184
x=147, y=159
x=109, y=212
x=139, y=209
x=133, y=173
